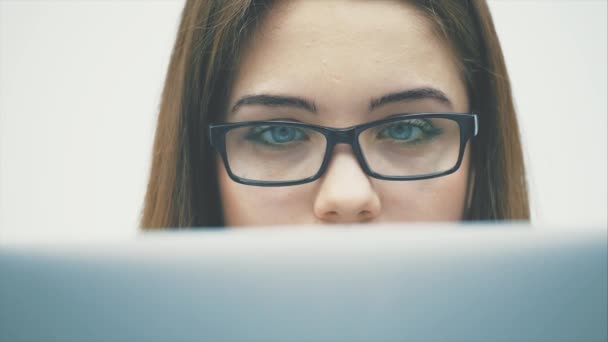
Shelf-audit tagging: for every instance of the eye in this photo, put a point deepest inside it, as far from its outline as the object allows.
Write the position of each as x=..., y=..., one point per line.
x=401, y=131
x=276, y=135
x=411, y=131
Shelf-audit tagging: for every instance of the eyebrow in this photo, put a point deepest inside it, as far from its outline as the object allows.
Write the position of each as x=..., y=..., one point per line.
x=276, y=101
x=308, y=105
x=409, y=95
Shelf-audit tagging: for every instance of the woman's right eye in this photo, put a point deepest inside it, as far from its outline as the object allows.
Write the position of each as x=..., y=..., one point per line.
x=276, y=135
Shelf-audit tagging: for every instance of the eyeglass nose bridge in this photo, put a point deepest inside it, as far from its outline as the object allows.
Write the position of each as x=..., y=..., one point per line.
x=341, y=136
x=346, y=136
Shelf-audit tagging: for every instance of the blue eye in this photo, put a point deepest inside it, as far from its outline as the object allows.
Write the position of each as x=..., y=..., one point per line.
x=280, y=134
x=411, y=131
x=402, y=131
x=276, y=135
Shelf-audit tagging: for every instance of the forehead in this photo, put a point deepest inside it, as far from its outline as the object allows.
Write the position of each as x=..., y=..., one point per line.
x=352, y=50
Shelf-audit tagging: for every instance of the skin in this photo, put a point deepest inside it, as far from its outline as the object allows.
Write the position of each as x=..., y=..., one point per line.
x=340, y=55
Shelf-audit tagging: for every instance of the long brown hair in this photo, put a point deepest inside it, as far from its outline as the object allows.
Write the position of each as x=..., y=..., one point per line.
x=183, y=188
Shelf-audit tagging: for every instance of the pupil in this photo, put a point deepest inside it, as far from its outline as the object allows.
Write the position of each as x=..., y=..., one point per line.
x=401, y=131
x=282, y=134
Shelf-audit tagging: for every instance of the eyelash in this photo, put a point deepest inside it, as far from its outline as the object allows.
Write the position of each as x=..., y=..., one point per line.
x=427, y=128
x=424, y=125
x=255, y=134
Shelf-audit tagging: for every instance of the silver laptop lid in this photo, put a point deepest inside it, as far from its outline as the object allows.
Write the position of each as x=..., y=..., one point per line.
x=381, y=283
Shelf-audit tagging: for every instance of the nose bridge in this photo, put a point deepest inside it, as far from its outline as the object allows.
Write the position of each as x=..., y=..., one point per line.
x=346, y=193
x=346, y=136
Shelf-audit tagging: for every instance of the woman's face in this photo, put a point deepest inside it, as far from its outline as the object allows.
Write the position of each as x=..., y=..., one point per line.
x=340, y=56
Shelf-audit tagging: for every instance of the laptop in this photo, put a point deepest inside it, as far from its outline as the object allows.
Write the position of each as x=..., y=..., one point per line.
x=476, y=282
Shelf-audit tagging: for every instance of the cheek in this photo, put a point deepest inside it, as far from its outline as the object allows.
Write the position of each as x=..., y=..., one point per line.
x=436, y=199
x=440, y=199
x=255, y=205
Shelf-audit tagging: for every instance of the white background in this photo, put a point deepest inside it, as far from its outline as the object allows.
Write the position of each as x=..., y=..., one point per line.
x=80, y=85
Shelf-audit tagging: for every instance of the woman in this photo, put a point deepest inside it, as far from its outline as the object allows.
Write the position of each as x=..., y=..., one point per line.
x=292, y=112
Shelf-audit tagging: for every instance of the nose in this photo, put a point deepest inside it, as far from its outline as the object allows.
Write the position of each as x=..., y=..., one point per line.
x=345, y=193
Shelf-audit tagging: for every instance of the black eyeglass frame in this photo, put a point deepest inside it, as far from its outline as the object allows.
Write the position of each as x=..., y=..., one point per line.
x=467, y=122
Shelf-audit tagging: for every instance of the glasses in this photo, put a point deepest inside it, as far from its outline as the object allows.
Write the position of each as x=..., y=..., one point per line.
x=400, y=147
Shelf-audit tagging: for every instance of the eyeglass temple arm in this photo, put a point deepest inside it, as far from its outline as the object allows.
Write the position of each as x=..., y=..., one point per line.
x=476, y=125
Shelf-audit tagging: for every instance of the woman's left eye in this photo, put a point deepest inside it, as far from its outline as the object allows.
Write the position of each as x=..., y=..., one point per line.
x=402, y=132
x=282, y=134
